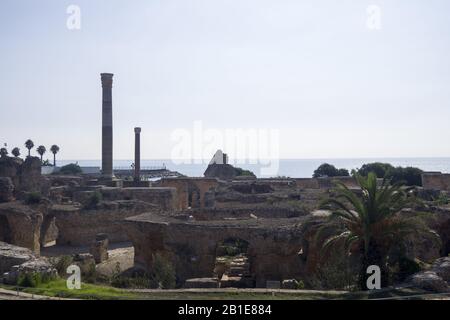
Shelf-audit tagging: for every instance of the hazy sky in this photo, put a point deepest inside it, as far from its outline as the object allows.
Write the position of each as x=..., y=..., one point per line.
x=311, y=69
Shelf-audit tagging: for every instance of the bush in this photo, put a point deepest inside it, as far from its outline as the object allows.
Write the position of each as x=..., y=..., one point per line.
x=162, y=276
x=33, y=198
x=33, y=279
x=244, y=173
x=93, y=200
x=62, y=264
x=410, y=176
x=380, y=169
x=163, y=272
x=328, y=170
x=71, y=168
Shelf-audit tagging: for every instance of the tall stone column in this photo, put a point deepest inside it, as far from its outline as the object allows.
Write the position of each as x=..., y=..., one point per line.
x=137, y=154
x=107, y=126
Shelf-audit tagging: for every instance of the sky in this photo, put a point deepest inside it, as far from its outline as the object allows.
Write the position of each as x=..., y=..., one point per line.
x=313, y=72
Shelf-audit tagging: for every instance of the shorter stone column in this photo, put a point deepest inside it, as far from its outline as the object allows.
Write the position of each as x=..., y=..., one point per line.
x=99, y=249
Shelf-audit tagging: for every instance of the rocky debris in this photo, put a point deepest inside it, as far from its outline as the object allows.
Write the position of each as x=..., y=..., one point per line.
x=99, y=249
x=442, y=268
x=289, y=284
x=429, y=281
x=85, y=261
x=437, y=279
x=11, y=255
x=201, y=283
x=39, y=266
x=6, y=189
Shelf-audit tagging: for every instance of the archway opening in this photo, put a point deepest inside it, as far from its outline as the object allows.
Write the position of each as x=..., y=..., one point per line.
x=5, y=230
x=232, y=266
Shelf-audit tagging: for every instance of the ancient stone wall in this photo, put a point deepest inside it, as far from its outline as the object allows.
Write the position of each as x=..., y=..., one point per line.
x=191, y=192
x=77, y=226
x=165, y=198
x=25, y=175
x=272, y=253
x=324, y=183
x=20, y=225
x=436, y=181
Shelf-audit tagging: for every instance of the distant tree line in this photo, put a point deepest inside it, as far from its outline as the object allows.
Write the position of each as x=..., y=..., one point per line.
x=410, y=176
x=29, y=144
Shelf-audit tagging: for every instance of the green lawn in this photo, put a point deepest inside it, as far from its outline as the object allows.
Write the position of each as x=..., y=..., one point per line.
x=58, y=288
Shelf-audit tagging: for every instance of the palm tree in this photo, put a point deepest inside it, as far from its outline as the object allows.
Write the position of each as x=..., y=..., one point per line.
x=29, y=144
x=3, y=152
x=54, y=149
x=16, y=152
x=41, y=150
x=370, y=222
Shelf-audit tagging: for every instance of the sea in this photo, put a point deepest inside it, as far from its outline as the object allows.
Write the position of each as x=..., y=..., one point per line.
x=293, y=168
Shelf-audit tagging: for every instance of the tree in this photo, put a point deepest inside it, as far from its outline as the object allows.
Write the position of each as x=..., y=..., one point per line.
x=29, y=144
x=369, y=223
x=16, y=152
x=379, y=168
x=3, y=152
x=71, y=168
x=54, y=149
x=410, y=176
x=41, y=150
x=328, y=170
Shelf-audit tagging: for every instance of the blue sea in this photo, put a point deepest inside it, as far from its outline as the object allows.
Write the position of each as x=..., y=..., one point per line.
x=294, y=168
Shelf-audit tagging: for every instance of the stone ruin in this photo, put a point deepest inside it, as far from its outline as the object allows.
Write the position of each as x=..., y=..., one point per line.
x=216, y=231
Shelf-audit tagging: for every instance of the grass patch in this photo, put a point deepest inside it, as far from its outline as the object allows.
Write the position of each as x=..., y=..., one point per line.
x=58, y=288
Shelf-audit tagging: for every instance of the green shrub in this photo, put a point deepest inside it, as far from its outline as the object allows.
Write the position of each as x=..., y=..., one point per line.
x=163, y=272
x=441, y=200
x=242, y=172
x=34, y=279
x=328, y=170
x=71, y=168
x=62, y=264
x=33, y=198
x=300, y=285
x=93, y=200
x=410, y=176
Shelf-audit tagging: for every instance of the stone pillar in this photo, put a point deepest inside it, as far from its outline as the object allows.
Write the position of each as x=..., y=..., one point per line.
x=137, y=154
x=107, y=129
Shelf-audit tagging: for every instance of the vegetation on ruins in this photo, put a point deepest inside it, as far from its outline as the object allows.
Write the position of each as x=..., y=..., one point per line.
x=15, y=152
x=32, y=198
x=368, y=223
x=93, y=200
x=328, y=170
x=71, y=168
x=410, y=176
x=244, y=173
x=41, y=150
x=29, y=144
x=54, y=149
x=3, y=152
x=163, y=273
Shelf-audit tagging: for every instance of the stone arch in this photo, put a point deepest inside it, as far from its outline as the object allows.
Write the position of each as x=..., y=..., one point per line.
x=193, y=196
x=49, y=231
x=5, y=230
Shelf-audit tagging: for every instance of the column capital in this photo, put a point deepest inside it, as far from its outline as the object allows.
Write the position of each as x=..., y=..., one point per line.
x=107, y=80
